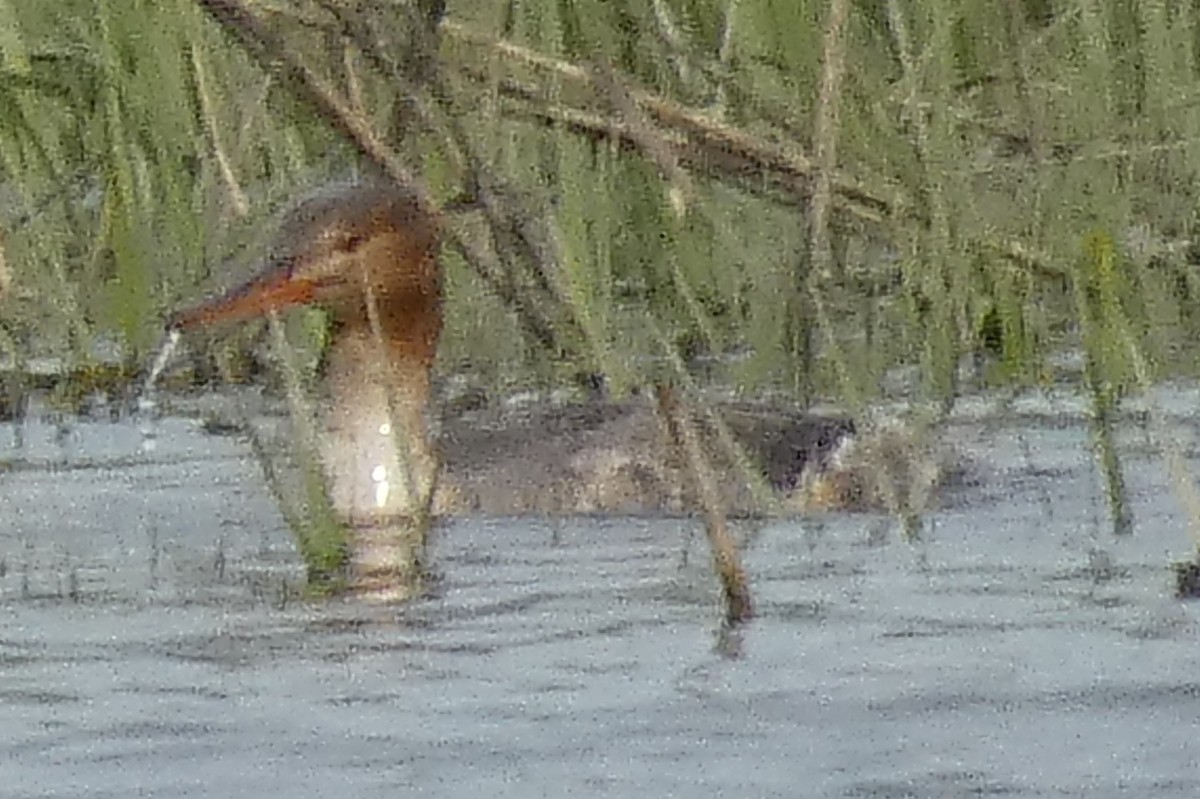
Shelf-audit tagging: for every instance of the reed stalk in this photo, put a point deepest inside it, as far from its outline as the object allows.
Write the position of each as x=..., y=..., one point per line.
x=1101, y=325
x=322, y=540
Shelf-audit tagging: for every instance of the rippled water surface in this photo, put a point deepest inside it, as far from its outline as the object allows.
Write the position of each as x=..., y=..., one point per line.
x=147, y=646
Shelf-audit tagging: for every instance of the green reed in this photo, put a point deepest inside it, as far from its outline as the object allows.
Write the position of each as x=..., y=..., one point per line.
x=995, y=137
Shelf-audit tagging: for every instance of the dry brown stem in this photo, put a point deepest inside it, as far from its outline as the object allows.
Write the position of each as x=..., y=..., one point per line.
x=780, y=171
x=685, y=440
x=267, y=47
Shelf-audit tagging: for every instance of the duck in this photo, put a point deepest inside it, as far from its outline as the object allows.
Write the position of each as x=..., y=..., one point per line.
x=368, y=253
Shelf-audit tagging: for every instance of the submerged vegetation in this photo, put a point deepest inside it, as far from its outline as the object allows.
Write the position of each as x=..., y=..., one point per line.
x=807, y=194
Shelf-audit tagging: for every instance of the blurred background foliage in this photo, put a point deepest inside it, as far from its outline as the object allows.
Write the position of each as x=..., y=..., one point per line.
x=659, y=154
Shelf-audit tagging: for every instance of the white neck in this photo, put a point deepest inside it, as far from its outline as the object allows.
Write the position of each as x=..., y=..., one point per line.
x=375, y=446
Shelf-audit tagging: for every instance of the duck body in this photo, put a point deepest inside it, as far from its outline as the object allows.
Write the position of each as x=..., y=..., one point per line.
x=607, y=457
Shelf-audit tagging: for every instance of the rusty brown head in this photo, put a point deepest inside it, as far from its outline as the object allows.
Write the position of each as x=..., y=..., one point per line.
x=330, y=249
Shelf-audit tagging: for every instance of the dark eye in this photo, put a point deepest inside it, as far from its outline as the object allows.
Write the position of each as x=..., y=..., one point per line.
x=353, y=242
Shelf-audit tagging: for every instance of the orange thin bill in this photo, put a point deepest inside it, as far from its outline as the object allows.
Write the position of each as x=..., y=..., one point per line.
x=274, y=291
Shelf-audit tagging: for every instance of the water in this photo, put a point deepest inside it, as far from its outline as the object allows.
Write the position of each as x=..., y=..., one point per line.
x=148, y=645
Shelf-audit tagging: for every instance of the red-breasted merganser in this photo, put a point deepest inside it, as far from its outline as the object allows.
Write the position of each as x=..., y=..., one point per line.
x=368, y=254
